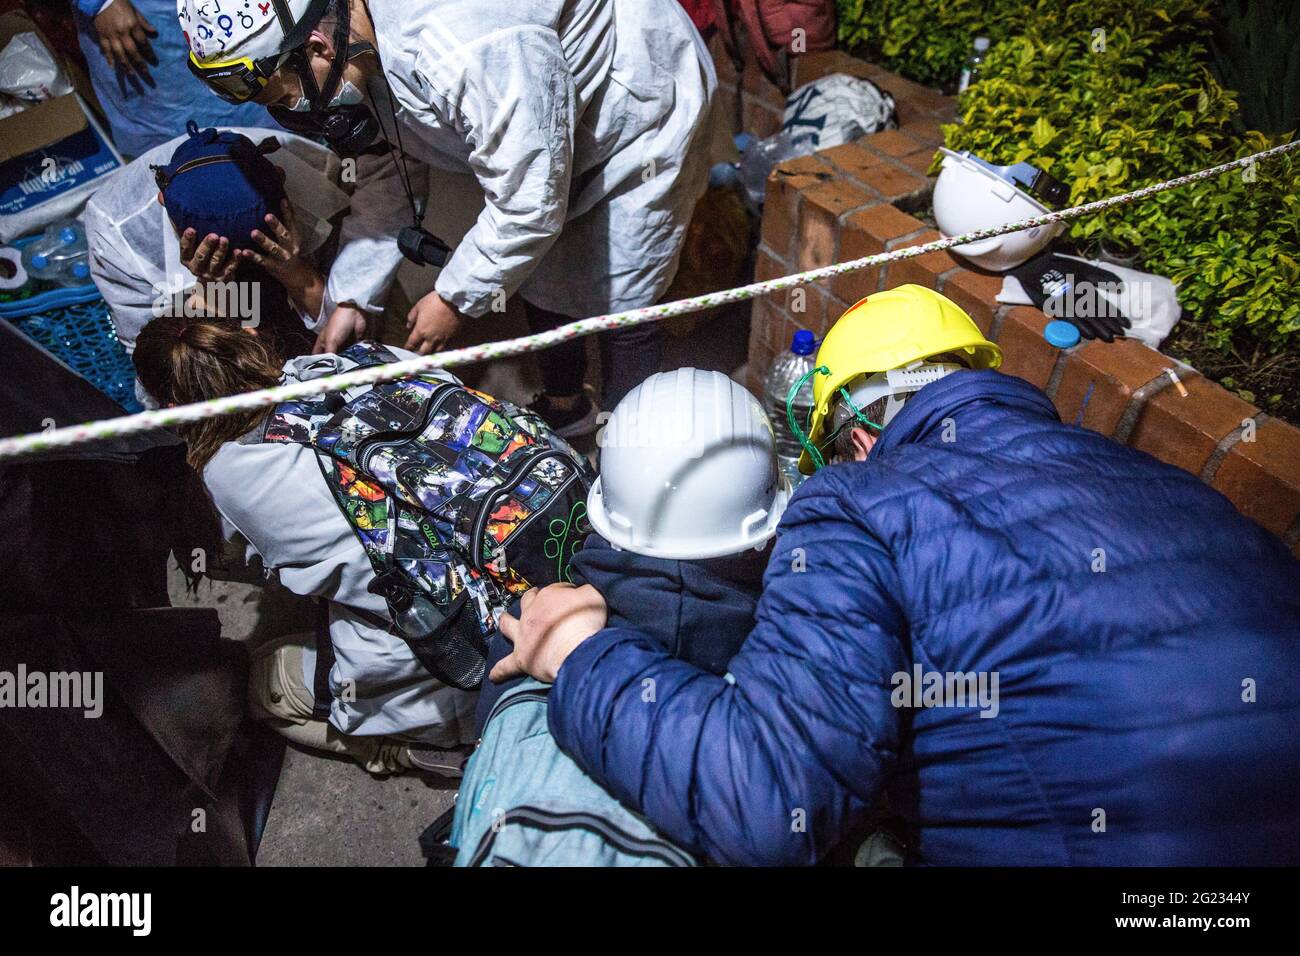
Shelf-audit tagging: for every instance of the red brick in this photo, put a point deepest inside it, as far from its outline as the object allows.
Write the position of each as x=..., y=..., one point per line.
x=853, y=159
x=926, y=130
x=729, y=107
x=722, y=62
x=812, y=315
x=781, y=208
x=935, y=102
x=892, y=182
x=1184, y=431
x=1112, y=372
x=920, y=162
x=902, y=89
x=976, y=293
x=760, y=118
x=892, y=142
x=770, y=319
x=921, y=270
x=865, y=233
x=1025, y=353
x=813, y=66
x=819, y=220
x=756, y=84
x=1262, y=477
x=757, y=344
x=884, y=223
x=760, y=361
x=768, y=266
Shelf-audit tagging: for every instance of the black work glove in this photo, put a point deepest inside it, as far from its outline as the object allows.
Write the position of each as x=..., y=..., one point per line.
x=1063, y=288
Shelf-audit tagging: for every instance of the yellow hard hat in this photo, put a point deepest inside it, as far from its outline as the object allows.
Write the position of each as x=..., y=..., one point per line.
x=890, y=330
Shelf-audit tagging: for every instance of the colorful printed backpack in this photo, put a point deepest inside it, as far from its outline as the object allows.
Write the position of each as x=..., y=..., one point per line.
x=460, y=500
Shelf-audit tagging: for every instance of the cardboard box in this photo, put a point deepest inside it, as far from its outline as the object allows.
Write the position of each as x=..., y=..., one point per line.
x=53, y=155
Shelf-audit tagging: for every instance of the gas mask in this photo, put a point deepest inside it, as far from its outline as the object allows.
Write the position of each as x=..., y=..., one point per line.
x=346, y=123
x=337, y=112
x=340, y=115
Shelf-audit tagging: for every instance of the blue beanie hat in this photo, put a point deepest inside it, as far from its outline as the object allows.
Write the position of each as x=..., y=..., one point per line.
x=221, y=182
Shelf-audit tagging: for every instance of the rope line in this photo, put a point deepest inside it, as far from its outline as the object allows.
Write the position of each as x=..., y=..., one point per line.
x=67, y=436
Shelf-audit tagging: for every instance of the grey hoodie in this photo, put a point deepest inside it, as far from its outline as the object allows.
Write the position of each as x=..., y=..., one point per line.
x=275, y=497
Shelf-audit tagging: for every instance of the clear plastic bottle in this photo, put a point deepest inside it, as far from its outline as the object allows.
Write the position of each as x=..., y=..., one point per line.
x=787, y=370
x=970, y=72
x=60, y=255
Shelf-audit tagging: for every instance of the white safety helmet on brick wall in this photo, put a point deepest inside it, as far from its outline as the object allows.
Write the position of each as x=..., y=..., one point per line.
x=972, y=194
x=688, y=469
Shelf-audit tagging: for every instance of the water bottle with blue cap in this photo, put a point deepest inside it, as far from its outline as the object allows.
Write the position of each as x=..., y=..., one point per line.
x=790, y=367
x=60, y=255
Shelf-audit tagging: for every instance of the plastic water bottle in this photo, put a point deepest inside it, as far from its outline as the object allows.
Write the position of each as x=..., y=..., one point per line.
x=786, y=372
x=60, y=255
x=970, y=72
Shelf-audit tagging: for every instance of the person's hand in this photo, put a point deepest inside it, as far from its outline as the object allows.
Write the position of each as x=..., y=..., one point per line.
x=552, y=622
x=279, y=247
x=208, y=259
x=279, y=252
x=346, y=324
x=433, y=323
x=124, y=37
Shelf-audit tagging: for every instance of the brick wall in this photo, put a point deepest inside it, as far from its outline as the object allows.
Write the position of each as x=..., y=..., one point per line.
x=844, y=203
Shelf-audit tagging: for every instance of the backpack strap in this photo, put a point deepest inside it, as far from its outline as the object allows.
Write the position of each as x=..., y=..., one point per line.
x=442, y=644
x=324, y=662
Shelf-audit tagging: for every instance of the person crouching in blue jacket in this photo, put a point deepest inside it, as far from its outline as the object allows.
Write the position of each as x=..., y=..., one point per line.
x=1044, y=647
x=684, y=511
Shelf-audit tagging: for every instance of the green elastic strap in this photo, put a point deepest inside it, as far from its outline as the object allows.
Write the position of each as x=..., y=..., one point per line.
x=813, y=451
x=857, y=412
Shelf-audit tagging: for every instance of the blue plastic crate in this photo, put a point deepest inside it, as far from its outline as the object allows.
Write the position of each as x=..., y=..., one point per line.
x=73, y=325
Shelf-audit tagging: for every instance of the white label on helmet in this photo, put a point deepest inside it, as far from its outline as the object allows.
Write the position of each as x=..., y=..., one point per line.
x=911, y=379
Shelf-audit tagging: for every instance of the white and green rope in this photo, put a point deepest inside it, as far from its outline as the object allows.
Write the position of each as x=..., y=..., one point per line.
x=37, y=442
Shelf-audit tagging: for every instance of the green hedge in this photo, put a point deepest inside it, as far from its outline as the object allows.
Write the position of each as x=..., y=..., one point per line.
x=1109, y=113
x=924, y=43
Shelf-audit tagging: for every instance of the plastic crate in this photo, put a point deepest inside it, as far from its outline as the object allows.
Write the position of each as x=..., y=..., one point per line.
x=73, y=325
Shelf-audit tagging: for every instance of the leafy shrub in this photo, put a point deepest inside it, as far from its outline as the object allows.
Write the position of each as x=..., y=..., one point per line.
x=1107, y=113
x=925, y=42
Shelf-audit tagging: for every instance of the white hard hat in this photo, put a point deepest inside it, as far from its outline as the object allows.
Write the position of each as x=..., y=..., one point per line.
x=688, y=469
x=255, y=29
x=972, y=194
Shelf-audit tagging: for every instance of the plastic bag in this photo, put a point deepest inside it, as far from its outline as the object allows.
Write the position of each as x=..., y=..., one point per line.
x=29, y=71
x=820, y=115
x=10, y=105
x=836, y=109
x=757, y=162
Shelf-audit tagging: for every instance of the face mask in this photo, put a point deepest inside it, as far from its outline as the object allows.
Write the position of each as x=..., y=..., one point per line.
x=337, y=113
x=347, y=124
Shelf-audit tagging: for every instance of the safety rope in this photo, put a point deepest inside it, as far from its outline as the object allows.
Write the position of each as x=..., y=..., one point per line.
x=169, y=417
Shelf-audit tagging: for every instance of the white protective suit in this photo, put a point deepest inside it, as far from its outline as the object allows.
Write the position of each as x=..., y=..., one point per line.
x=275, y=497
x=585, y=122
x=135, y=253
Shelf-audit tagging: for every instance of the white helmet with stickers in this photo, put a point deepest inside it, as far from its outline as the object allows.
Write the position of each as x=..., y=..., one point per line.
x=223, y=29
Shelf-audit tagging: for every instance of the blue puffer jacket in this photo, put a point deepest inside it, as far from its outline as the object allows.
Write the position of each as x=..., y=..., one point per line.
x=1146, y=712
